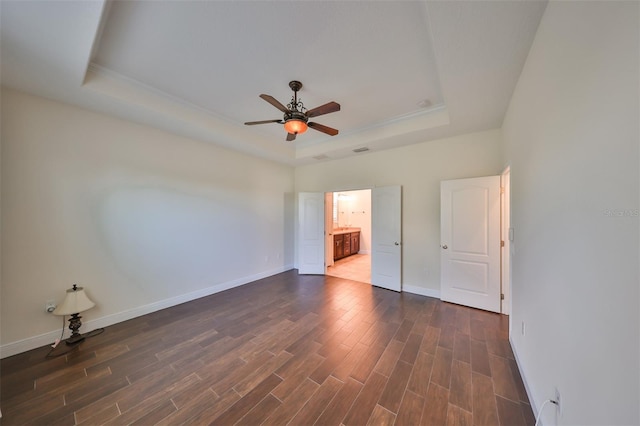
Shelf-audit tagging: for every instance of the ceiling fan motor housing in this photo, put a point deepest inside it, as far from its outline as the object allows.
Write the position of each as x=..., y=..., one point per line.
x=295, y=115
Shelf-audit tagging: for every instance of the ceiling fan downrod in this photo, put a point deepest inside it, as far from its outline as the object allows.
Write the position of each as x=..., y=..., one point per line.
x=296, y=105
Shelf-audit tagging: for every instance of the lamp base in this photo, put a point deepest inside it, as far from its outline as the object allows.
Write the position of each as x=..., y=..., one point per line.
x=74, y=340
x=74, y=326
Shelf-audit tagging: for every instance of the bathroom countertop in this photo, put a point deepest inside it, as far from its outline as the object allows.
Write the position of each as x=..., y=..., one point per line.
x=338, y=231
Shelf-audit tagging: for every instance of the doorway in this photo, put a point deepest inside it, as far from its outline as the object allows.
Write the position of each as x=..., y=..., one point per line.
x=348, y=217
x=386, y=234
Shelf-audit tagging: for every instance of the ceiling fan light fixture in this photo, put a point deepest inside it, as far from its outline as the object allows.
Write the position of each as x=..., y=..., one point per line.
x=295, y=126
x=296, y=116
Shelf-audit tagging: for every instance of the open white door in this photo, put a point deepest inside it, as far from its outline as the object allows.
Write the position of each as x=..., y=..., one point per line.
x=311, y=233
x=470, y=242
x=386, y=233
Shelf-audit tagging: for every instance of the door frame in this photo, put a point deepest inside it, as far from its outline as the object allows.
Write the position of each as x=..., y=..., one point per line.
x=325, y=192
x=506, y=235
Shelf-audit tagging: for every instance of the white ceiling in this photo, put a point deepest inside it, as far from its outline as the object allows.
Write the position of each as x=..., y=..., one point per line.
x=403, y=71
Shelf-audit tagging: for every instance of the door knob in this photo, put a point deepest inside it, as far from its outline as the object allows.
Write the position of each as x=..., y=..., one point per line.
x=445, y=247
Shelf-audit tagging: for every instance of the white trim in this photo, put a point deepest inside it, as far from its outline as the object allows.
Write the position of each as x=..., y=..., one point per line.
x=422, y=291
x=34, y=342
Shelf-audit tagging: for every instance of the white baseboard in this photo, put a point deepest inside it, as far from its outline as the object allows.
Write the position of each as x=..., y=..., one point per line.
x=29, y=343
x=422, y=291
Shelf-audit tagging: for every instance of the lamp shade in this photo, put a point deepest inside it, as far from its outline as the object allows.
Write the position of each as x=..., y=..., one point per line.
x=75, y=301
x=295, y=126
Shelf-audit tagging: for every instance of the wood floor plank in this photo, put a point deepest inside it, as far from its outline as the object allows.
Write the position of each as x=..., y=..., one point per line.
x=456, y=416
x=381, y=417
x=476, y=330
x=366, y=365
x=261, y=411
x=411, y=348
x=410, y=411
x=389, y=358
x=350, y=362
x=404, y=331
x=430, y=340
x=479, y=357
x=292, y=404
x=251, y=380
x=164, y=393
x=87, y=398
x=509, y=412
x=230, y=379
x=395, y=388
x=485, y=411
x=441, y=373
x=212, y=410
x=460, y=393
x=462, y=347
x=187, y=409
x=421, y=374
x=435, y=407
x=527, y=414
x=447, y=335
x=100, y=417
x=463, y=321
x=318, y=402
x=154, y=416
x=366, y=401
x=291, y=382
x=503, y=382
x=247, y=402
x=340, y=405
x=323, y=371
x=515, y=374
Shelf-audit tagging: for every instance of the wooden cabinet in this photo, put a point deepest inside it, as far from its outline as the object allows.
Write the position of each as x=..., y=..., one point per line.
x=355, y=242
x=338, y=247
x=345, y=244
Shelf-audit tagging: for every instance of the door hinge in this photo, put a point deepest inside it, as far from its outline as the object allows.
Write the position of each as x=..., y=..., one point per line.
x=502, y=189
x=501, y=243
x=501, y=296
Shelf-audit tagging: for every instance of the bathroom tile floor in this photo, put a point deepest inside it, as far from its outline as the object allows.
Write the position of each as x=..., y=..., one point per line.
x=356, y=267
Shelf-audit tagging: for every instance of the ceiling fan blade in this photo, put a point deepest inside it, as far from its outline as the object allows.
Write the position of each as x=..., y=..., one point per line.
x=291, y=137
x=324, y=129
x=324, y=109
x=273, y=101
x=251, y=123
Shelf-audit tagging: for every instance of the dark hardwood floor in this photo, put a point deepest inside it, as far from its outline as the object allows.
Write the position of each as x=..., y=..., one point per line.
x=287, y=349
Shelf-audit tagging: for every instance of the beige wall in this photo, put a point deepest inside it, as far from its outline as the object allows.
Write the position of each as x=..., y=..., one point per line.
x=572, y=140
x=142, y=218
x=419, y=170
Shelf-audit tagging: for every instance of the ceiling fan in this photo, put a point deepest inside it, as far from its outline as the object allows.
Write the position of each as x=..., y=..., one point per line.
x=296, y=116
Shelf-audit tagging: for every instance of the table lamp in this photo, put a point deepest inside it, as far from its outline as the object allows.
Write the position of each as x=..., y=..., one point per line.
x=75, y=301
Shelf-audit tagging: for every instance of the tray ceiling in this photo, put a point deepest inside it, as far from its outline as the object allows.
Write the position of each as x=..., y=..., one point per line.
x=403, y=72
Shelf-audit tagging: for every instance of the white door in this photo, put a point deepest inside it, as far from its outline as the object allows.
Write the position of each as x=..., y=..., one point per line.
x=470, y=242
x=311, y=233
x=386, y=233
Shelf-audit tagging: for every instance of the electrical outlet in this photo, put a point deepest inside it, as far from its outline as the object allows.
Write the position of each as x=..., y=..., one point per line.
x=50, y=306
x=558, y=402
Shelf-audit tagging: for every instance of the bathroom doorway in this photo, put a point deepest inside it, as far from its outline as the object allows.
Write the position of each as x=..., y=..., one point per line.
x=349, y=255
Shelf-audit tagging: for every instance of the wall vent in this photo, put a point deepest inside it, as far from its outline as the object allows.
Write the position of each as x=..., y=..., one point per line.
x=363, y=149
